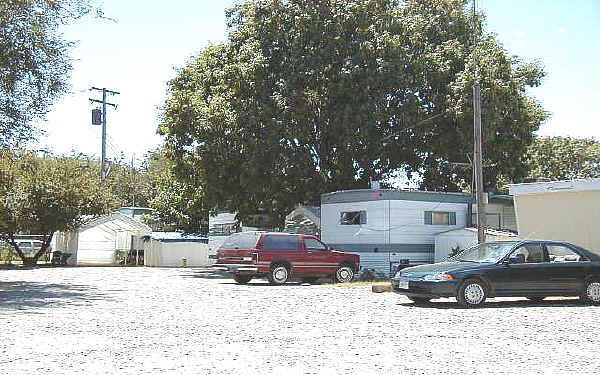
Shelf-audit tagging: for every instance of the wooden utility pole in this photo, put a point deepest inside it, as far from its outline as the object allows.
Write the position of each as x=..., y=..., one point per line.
x=104, y=104
x=478, y=165
x=477, y=152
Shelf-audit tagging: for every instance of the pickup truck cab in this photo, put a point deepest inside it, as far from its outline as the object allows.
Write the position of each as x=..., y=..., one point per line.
x=281, y=256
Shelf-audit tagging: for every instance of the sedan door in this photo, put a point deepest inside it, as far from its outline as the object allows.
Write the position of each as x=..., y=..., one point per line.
x=525, y=278
x=566, y=269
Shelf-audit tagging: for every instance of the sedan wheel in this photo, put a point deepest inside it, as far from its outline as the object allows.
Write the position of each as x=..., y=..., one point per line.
x=591, y=292
x=278, y=275
x=344, y=274
x=472, y=293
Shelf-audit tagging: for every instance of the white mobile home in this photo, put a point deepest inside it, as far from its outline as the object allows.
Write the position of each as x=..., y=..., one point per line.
x=393, y=223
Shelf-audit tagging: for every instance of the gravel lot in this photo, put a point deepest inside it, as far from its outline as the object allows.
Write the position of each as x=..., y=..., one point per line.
x=186, y=321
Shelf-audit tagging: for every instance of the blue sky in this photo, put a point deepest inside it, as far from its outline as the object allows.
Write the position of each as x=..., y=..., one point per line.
x=139, y=53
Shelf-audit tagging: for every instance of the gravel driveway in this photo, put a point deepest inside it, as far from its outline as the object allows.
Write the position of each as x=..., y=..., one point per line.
x=186, y=321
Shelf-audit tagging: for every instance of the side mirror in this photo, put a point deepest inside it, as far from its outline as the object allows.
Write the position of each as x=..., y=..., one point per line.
x=517, y=258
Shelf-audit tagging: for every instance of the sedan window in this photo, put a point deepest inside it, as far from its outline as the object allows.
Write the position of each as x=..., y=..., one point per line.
x=489, y=252
x=560, y=253
x=532, y=253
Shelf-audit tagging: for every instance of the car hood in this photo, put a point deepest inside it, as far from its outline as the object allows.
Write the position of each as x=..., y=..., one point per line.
x=440, y=267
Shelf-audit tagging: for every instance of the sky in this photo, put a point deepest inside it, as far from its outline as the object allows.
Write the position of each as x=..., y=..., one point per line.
x=150, y=40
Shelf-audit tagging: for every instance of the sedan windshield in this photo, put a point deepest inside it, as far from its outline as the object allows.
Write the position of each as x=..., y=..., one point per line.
x=490, y=252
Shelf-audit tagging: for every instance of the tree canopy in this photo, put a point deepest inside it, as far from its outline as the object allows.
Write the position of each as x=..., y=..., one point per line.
x=176, y=205
x=564, y=158
x=312, y=96
x=43, y=195
x=34, y=61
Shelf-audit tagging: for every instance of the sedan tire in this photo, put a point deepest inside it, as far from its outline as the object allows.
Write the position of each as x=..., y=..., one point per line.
x=472, y=293
x=591, y=292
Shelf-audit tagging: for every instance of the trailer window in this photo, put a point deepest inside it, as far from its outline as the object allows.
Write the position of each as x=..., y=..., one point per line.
x=353, y=217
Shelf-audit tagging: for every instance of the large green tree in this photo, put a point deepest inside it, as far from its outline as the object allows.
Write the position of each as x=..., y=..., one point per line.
x=34, y=61
x=43, y=195
x=311, y=96
x=564, y=158
x=177, y=204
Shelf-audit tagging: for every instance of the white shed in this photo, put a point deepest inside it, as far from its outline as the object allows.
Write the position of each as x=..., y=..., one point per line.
x=100, y=240
x=175, y=249
x=464, y=238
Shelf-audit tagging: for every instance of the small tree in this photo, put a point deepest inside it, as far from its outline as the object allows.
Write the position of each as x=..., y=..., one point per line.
x=46, y=195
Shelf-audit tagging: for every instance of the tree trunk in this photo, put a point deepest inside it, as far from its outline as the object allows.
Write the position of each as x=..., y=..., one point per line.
x=11, y=240
x=45, y=246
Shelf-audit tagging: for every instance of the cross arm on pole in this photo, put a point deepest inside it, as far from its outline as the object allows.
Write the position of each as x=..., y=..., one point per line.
x=101, y=102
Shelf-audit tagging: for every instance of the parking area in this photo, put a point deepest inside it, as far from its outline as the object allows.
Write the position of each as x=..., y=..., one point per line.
x=186, y=321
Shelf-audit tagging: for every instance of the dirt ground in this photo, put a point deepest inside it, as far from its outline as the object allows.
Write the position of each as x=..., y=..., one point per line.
x=185, y=321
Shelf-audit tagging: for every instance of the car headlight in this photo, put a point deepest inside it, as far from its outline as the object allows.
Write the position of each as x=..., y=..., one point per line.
x=438, y=277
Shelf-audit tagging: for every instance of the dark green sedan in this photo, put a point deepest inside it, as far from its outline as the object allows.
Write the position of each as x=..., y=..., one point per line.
x=531, y=269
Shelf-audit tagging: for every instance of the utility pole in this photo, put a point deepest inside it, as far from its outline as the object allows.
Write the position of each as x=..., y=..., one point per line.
x=133, y=180
x=477, y=152
x=104, y=104
x=478, y=165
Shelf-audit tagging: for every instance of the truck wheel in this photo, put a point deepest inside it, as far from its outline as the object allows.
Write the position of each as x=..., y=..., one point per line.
x=242, y=279
x=344, y=274
x=278, y=274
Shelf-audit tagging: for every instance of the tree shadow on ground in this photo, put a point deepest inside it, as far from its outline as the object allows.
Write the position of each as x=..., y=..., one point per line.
x=22, y=295
x=498, y=304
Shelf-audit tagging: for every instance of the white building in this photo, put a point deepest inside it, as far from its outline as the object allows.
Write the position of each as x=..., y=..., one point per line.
x=390, y=225
x=559, y=210
x=499, y=212
x=103, y=240
x=174, y=249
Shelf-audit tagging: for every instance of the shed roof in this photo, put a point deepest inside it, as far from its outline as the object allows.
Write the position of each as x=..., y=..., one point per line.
x=555, y=186
x=178, y=237
x=117, y=222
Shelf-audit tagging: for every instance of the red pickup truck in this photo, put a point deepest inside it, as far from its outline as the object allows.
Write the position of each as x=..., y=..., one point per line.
x=280, y=256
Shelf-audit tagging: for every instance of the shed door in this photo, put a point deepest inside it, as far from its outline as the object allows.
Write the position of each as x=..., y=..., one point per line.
x=123, y=241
